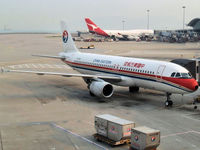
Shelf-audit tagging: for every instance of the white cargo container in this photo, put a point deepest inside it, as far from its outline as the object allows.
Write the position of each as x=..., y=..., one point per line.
x=112, y=127
x=144, y=138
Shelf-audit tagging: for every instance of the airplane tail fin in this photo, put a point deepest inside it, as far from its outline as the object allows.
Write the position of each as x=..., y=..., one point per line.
x=68, y=43
x=91, y=25
x=93, y=28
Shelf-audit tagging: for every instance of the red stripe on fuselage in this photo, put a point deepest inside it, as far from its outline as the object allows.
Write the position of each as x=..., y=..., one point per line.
x=185, y=83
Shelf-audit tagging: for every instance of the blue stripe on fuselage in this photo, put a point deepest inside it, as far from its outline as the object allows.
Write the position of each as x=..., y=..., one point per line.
x=93, y=69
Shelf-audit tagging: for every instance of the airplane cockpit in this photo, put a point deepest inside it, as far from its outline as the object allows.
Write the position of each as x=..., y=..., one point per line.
x=181, y=75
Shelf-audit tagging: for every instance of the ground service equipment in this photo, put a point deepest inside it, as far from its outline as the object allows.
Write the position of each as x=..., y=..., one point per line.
x=113, y=130
x=144, y=138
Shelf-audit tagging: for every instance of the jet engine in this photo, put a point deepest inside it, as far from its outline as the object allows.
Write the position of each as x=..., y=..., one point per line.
x=101, y=89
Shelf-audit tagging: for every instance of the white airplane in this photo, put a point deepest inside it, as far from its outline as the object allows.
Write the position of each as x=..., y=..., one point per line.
x=120, y=34
x=101, y=72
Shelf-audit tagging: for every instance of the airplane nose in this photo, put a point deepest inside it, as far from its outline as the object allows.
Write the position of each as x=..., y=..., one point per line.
x=196, y=87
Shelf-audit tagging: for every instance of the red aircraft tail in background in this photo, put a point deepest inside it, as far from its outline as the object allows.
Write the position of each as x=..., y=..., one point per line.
x=93, y=28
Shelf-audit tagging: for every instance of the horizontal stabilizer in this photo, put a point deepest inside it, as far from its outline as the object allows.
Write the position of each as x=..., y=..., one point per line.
x=49, y=56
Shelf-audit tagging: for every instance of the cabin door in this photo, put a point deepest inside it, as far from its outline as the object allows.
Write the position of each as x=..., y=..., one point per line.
x=160, y=71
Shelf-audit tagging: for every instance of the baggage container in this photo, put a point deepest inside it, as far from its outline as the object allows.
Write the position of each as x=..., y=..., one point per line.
x=112, y=127
x=144, y=138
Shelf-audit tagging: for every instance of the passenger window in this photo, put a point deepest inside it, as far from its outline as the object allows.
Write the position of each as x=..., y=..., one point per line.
x=173, y=74
x=178, y=75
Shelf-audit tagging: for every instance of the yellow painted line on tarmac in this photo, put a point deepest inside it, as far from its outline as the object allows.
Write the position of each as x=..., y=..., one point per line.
x=180, y=133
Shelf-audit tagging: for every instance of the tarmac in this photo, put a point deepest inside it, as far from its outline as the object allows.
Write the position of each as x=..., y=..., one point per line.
x=56, y=113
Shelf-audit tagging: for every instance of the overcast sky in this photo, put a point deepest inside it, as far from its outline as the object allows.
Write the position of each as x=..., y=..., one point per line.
x=45, y=15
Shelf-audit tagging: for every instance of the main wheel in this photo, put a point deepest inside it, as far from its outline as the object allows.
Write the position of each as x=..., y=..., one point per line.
x=133, y=89
x=166, y=103
x=91, y=94
x=170, y=103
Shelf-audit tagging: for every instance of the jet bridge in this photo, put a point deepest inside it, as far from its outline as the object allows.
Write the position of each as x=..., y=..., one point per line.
x=190, y=64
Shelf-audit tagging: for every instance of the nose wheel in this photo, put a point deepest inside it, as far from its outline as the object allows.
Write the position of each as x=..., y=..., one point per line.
x=194, y=104
x=168, y=102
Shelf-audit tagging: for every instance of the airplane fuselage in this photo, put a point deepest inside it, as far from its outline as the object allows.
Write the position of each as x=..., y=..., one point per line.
x=129, y=33
x=120, y=34
x=144, y=73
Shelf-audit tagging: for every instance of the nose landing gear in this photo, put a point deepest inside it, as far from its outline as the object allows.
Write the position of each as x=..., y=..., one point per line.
x=195, y=107
x=168, y=102
x=194, y=104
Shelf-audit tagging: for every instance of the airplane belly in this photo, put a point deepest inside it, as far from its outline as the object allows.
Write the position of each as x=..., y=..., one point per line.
x=167, y=88
x=154, y=85
x=144, y=83
x=126, y=81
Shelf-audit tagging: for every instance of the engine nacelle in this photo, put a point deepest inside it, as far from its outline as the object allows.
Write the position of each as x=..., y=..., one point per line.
x=101, y=89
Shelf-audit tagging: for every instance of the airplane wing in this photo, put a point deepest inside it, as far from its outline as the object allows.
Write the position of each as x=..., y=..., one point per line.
x=106, y=77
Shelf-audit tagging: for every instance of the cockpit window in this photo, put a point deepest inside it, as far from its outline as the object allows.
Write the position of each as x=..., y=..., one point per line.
x=181, y=75
x=185, y=75
x=178, y=75
x=173, y=74
x=190, y=74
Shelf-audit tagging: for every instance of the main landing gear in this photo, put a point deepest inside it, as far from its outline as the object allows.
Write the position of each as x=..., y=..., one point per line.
x=91, y=94
x=168, y=102
x=133, y=89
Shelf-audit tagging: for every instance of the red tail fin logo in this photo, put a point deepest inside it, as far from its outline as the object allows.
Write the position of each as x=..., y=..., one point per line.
x=65, y=36
x=91, y=25
x=93, y=28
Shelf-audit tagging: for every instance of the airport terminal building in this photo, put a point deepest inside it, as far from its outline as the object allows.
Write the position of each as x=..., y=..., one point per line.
x=195, y=24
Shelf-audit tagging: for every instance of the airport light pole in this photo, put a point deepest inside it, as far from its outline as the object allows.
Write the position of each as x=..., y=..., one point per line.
x=123, y=21
x=183, y=17
x=148, y=19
